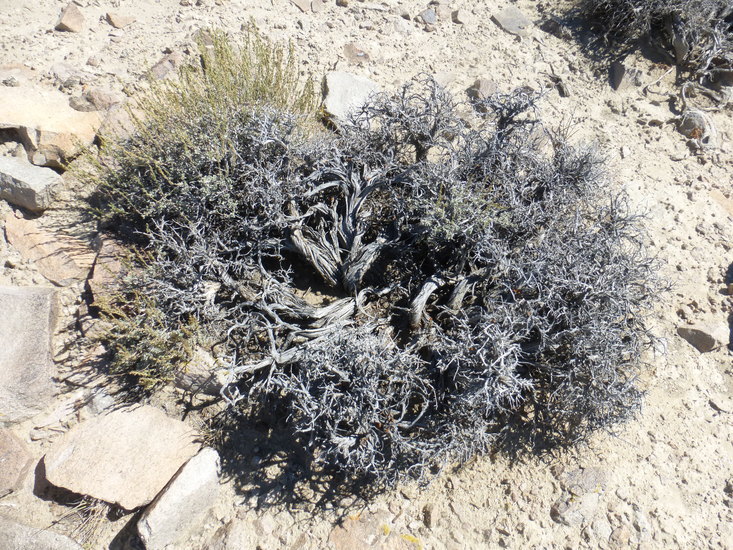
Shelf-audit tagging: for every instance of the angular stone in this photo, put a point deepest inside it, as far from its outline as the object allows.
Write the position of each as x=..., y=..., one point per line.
x=26, y=368
x=346, y=92
x=461, y=17
x=355, y=55
x=71, y=19
x=167, y=66
x=202, y=374
x=574, y=511
x=17, y=536
x=102, y=99
x=302, y=5
x=51, y=131
x=63, y=260
x=181, y=508
x=107, y=268
x=317, y=6
x=513, y=21
x=25, y=185
x=15, y=462
x=587, y=480
x=702, y=337
x=621, y=77
x=125, y=457
x=481, y=89
x=428, y=16
x=118, y=20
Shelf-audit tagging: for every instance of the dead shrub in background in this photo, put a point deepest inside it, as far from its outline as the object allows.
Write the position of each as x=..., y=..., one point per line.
x=697, y=35
x=405, y=291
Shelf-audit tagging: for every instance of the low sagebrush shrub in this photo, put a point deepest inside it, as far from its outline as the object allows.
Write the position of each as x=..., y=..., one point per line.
x=696, y=34
x=405, y=290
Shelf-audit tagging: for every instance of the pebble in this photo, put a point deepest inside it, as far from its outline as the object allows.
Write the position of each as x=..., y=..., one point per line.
x=428, y=16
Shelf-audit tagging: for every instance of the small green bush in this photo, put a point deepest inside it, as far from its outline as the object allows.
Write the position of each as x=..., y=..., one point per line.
x=403, y=291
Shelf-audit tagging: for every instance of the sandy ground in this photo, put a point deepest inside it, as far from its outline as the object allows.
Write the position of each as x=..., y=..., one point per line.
x=666, y=477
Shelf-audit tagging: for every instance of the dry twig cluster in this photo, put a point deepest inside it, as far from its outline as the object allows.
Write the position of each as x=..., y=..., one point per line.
x=405, y=291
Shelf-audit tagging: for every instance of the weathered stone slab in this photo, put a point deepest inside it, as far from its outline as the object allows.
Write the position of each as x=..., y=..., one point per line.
x=125, y=457
x=183, y=505
x=16, y=536
x=60, y=258
x=25, y=185
x=51, y=130
x=26, y=368
x=346, y=92
x=107, y=268
x=513, y=21
x=15, y=462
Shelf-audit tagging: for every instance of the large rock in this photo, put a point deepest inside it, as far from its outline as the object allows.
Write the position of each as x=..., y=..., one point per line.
x=15, y=462
x=62, y=259
x=51, y=130
x=25, y=185
x=125, y=457
x=182, y=507
x=16, y=536
x=346, y=92
x=28, y=316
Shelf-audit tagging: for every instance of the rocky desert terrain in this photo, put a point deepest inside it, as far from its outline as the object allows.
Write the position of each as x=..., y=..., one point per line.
x=78, y=471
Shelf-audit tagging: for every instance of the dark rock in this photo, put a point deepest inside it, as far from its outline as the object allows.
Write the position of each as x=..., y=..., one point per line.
x=621, y=77
x=700, y=337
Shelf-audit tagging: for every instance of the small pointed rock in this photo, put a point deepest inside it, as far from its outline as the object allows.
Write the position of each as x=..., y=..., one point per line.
x=119, y=21
x=71, y=19
x=701, y=337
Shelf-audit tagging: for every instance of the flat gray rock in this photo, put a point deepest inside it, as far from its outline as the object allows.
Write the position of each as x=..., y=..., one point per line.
x=346, y=92
x=181, y=508
x=513, y=21
x=15, y=462
x=17, y=536
x=25, y=185
x=125, y=457
x=26, y=369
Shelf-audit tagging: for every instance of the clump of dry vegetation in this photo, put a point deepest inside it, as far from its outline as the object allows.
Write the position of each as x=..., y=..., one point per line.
x=405, y=290
x=697, y=35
